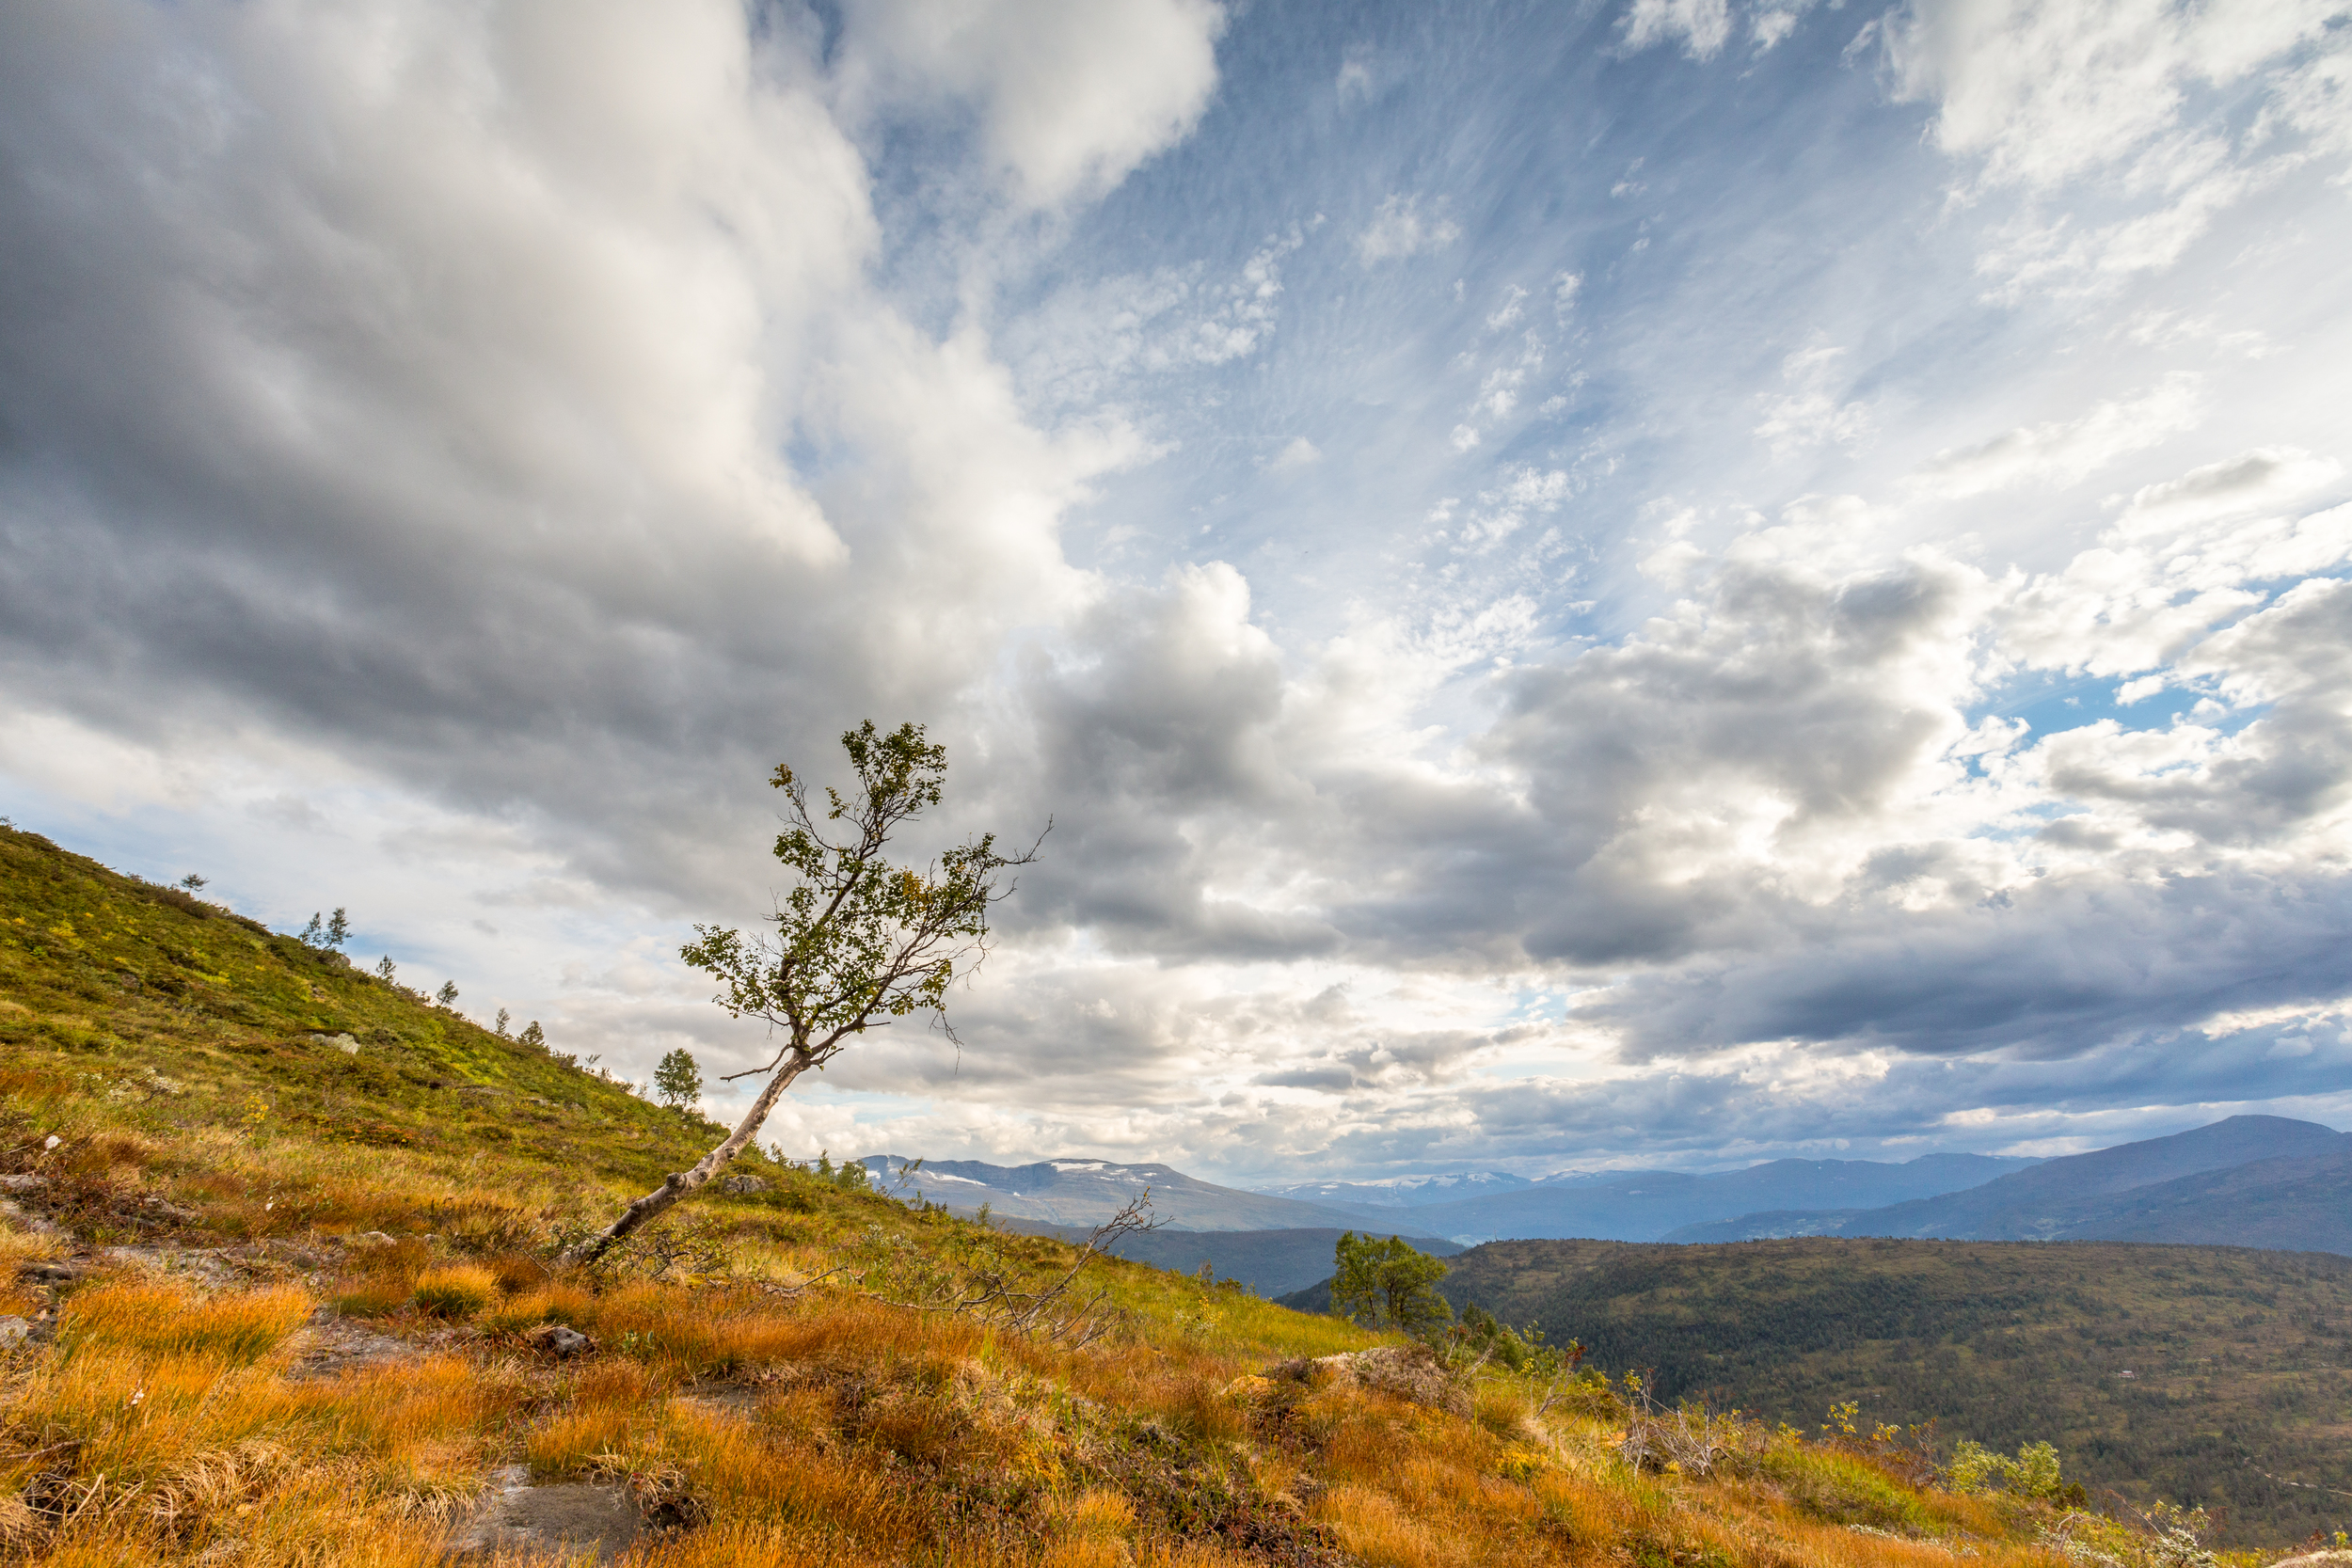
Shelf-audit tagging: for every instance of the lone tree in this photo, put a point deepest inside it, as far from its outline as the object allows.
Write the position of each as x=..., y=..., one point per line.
x=858, y=941
x=677, y=1080
x=1388, y=1282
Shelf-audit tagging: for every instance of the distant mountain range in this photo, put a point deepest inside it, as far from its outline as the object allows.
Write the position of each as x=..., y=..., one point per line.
x=1085, y=1193
x=1645, y=1205
x=1279, y=1241
x=1401, y=1192
x=1636, y=1206
x=2262, y=1182
x=2265, y=1182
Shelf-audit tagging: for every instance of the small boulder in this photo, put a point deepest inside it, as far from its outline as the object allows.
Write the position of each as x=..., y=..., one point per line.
x=49, y=1273
x=14, y=1332
x=1403, y=1371
x=742, y=1184
x=345, y=1043
x=22, y=1183
x=560, y=1341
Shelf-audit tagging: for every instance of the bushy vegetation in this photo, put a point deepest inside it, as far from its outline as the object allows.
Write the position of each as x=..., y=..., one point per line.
x=261, y=1338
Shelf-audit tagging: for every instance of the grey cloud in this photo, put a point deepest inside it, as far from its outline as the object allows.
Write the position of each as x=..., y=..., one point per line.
x=2051, y=971
x=446, y=439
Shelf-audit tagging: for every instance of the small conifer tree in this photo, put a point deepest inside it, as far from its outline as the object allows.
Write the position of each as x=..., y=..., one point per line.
x=447, y=996
x=534, y=1036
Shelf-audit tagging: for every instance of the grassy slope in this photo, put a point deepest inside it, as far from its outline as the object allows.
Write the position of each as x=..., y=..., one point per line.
x=179, y=1412
x=2240, y=1358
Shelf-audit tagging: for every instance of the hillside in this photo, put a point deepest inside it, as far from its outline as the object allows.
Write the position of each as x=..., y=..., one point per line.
x=1644, y=1206
x=1264, y=1262
x=2218, y=1375
x=2246, y=1180
x=280, y=1291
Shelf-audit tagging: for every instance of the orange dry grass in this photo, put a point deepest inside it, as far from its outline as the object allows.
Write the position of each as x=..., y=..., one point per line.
x=1830, y=1546
x=722, y=1331
x=547, y=1304
x=165, y=1320
x=455, y=1289
x=1371, y=1527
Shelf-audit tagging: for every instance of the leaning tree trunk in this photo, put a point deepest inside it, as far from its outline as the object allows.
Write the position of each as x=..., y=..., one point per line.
x=678, y=1183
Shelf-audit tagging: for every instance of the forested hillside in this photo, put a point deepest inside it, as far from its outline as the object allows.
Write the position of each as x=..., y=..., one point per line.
x=2216, y=1375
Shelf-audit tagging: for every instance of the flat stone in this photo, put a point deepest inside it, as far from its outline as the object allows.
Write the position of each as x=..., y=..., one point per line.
x=22, y=1183
x=330, y=1346
x=49, y=1273
x=576, y=1517
x=14, y=1332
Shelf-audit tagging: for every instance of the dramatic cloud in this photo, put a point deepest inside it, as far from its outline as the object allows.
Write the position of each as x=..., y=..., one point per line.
x=1632, y=592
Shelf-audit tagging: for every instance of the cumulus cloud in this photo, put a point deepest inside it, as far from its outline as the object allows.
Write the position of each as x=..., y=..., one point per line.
x=456, y=452
x=1071, y=96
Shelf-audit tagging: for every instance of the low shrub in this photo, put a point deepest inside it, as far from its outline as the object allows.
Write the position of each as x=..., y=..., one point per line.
x=1842, y=1488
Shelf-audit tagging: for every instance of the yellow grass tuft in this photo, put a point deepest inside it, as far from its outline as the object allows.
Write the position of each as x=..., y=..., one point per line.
x=454, y=1291
x=167, y=1321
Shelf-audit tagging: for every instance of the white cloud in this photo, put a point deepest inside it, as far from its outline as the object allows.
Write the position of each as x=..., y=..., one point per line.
x=452, y=454
x=1299, y=453
x=1398, y=229
x=2043, y=96
x=1071, y=95
x=1703, y=26
x=1770, y=24
x=2252, y=481
x=1090, y=343
x=1809, y=414
x=2065, y=451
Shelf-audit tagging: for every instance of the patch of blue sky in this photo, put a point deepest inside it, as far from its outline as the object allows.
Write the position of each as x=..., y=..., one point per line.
x=2054, y=702
x=1713, y=214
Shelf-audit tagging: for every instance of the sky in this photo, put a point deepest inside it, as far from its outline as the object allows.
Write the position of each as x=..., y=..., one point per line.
x=1665, y=583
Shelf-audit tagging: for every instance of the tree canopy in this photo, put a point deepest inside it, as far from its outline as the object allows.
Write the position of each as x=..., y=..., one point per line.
x=1390, y=1283
x=857, y=942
